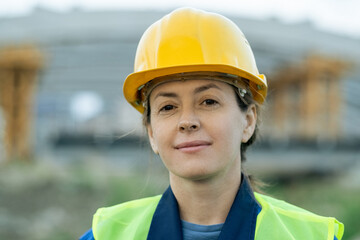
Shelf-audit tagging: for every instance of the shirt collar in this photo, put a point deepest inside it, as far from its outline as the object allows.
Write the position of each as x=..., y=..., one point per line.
x=239, y=224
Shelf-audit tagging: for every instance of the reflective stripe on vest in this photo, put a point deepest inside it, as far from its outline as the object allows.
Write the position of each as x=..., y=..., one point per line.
x=277, y=220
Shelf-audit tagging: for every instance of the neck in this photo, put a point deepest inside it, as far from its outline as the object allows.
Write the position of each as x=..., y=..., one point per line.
x=208, y=201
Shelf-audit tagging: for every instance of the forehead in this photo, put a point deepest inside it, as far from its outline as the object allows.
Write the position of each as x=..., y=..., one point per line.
x=192, y=86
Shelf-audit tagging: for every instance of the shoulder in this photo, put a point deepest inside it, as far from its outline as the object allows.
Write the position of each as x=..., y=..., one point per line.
x=131, y=207
x=279, y=205
x=119, y=221
x=295, y=220
x=87, y=236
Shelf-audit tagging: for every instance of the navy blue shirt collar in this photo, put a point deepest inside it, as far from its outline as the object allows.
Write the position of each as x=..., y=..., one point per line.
x=239, y=224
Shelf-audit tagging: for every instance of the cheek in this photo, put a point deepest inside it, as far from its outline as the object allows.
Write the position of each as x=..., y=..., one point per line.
x=155, y=133
x=233, y=126
x=160, y=134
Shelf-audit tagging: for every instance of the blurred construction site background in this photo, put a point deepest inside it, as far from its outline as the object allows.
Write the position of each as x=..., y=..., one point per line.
x=69, y=143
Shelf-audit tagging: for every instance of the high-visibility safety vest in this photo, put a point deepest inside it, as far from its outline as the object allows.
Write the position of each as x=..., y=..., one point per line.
x=277, y=220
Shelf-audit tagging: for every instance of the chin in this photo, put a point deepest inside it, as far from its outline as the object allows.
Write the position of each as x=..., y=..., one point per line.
x=196, y=174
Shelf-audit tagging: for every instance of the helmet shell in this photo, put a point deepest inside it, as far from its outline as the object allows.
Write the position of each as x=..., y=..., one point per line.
x=191, y=40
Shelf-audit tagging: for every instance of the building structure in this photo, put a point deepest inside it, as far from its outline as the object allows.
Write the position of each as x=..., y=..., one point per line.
x=314, y=77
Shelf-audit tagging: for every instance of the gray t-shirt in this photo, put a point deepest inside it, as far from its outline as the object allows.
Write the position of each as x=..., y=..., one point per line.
x=193, y=231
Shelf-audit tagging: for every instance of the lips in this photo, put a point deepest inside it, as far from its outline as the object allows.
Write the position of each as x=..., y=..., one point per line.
x=192, y=146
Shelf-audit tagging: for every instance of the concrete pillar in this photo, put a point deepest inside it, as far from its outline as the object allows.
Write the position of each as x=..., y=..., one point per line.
x=19, y=67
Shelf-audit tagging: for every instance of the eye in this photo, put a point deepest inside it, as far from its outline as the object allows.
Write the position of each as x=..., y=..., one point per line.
x=209, y=102
x=167, y=108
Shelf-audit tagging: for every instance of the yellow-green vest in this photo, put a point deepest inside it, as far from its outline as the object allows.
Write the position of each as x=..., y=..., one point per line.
x=277, y=220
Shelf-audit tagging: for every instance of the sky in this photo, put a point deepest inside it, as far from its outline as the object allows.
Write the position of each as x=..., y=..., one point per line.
x=338, y=16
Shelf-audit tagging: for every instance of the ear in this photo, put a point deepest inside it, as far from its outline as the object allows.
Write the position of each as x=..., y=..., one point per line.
x=151, y=139
x=250, y=123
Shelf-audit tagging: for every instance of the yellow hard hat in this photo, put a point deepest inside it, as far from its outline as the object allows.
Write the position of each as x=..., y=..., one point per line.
x=191, y=40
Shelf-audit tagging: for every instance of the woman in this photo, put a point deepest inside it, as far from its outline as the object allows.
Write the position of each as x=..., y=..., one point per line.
x=197, y=85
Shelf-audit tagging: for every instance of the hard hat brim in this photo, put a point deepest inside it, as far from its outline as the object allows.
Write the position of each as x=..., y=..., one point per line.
x=135, y=80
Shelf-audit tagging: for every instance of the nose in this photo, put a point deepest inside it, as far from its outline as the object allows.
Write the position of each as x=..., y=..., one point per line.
x=188, y=126
x=188, y=122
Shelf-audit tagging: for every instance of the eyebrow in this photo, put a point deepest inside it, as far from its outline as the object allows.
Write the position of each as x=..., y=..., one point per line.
x=205, y=87
x=166, y=94
x=197, y=90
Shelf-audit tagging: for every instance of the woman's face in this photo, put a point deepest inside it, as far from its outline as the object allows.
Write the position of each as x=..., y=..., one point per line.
x=197, y=127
